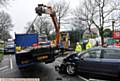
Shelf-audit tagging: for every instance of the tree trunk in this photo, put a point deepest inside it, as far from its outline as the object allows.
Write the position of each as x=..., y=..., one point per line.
x=102, y=40
x=102, y=37
x=90, y=32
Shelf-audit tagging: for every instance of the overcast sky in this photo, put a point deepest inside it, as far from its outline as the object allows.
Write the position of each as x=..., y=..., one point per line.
x=23, y=11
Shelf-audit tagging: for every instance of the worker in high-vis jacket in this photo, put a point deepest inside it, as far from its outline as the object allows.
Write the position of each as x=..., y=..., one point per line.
x=88, y=45
x=78, y=47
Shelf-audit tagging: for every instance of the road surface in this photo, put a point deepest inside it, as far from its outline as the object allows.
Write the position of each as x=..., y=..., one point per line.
x=45, y=72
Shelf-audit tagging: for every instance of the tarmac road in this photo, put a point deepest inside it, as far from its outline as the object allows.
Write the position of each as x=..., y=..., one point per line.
x=45, y=72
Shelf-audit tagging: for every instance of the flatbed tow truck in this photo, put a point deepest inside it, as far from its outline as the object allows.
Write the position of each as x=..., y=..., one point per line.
x=33, y=52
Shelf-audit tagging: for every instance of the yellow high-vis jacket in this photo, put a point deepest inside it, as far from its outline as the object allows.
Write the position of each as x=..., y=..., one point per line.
x=88, y=45
x=78, y=48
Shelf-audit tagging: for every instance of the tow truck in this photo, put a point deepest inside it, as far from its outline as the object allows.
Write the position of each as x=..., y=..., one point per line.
x=33, y=51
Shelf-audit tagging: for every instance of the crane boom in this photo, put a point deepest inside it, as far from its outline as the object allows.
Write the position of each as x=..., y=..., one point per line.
x=43, y=9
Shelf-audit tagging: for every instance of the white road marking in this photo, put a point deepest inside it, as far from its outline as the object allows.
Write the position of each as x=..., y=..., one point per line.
x=5, y=70
x=11, y=63
x=89, y=79
x=96, y=80
x=83, y=78
x=4, y=67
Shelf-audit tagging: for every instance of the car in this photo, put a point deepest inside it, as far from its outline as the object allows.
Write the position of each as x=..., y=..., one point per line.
x=9, y=48
x=95, y=61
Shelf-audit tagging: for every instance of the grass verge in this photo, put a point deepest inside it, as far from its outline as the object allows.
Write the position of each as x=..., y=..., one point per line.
x=1, y=55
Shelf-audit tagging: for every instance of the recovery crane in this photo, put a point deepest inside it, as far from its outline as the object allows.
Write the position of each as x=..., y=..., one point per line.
x=43, y=9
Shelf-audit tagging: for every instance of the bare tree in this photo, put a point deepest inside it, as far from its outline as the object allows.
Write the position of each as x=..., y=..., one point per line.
x=96, y=12
x=78, y=25
x=5, y=24
x=3, y=2
x=27, y=26
x=43, y=25
x=62, y=11
x=30, y=27
x=5, y=36
x=40, y=23
x=80, y=20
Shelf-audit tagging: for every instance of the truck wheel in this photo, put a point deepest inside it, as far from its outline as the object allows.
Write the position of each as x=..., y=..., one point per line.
x=70, y=69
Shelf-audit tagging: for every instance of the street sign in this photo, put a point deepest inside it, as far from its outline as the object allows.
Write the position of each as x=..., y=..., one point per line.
x=116, y=34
